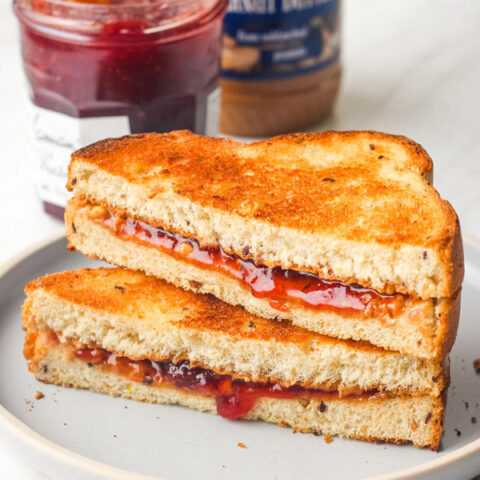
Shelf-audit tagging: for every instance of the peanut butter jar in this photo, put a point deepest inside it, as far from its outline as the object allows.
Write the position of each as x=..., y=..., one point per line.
x=280, y=65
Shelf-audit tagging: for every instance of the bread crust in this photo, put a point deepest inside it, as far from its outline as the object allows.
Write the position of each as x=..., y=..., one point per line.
x=331, y=187
x=448, y=321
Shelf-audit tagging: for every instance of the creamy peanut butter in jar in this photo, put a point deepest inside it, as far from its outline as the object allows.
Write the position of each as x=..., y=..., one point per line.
x=280, y=65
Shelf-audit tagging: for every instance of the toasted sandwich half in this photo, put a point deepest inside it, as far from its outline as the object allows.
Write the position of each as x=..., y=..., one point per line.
x=125, y=333
x=339, y=233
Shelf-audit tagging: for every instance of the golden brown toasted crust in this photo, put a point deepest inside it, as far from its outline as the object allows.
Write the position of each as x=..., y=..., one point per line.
x=320, y=183
x=453, y=255
x=448, y=321
x=133, y=156
x=207, y=171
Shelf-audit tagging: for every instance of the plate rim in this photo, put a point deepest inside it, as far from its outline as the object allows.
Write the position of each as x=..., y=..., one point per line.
x=27, y=435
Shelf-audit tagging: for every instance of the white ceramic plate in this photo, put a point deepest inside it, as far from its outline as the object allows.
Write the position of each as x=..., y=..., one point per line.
x=72, y=434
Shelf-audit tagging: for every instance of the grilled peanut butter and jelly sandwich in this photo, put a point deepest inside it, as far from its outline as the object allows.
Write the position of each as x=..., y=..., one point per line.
x=310, y=280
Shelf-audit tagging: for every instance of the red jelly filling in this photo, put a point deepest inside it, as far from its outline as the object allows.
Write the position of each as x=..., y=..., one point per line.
x=234, y=397
x=276, y=284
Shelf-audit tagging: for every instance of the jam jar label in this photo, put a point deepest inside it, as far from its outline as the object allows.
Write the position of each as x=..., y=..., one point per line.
x=55, y=136
x=279, y=38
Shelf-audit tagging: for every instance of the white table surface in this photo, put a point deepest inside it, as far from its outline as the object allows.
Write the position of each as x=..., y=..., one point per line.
x=411, y=67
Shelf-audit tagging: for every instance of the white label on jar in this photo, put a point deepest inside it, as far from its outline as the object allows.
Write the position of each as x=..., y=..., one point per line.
x=213, y=113
x=55, y=136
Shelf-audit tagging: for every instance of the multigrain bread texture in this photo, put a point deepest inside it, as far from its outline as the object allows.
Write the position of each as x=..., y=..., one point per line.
x=400, y=419
x=140, y=317
x=425, y=328
x=351, y=206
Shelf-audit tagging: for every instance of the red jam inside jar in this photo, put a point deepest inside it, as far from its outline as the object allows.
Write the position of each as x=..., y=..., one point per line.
x=124, y=66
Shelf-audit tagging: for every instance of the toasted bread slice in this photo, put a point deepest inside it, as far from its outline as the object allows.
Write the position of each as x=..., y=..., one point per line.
x=400, y=419
x=140, y=317
x=351, y=206
x=425, y=328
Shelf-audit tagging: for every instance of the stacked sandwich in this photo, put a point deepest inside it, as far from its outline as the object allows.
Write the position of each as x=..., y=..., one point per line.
x=312, y=280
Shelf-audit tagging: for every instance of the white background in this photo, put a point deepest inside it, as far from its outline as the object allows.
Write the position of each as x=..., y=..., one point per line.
x=411, y=67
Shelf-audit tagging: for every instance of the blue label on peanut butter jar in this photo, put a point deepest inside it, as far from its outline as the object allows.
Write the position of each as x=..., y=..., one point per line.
x=266, y=39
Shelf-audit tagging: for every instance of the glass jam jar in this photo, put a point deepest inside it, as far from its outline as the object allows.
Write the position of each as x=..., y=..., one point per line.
x=103, y=68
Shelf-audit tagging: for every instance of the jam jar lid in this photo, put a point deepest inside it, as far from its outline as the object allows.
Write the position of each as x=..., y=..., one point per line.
x=83, y=20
